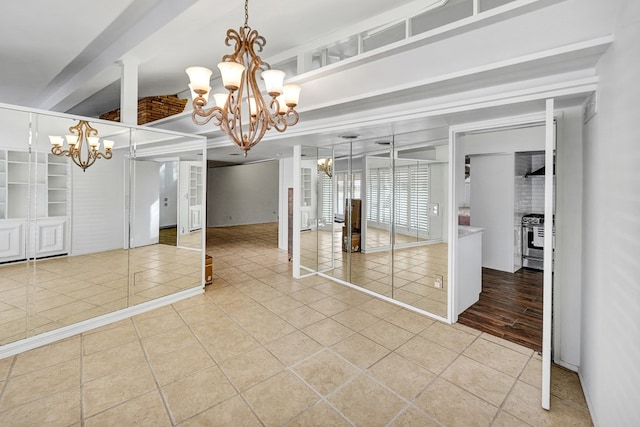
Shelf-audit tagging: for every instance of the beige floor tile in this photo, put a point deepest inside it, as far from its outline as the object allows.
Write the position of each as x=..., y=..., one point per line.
x=366, y=403
x=409, y=320
x=170, y=367
x=282, y=304
x=308, y=296
x=448, y=336
x=48, y=355
x=302, y=316
x=413, y=417
x=38, y=384
x=401, y=375
x=59, y=409
x=5, y=365
x=329, y=306
x=427, y=354
x=379, y=308
x=453, y=406
x=293, y=348
x=262, y=324
x=108, y=338
x=196, y=393
x=508, y=344
x=252, y=367
x=387, y=334
x=355, y=319
x=565, y=385
x=481, y=380
x=280, y=398
x=147, y=409
x=329, y=287
x=223, y=346
x=524, y=403
x=325, y=372
x=532, y=373
x=319, y=415
x=113, y=389
x=156, y=325
x=168, y=342
x=497, y=357
x=353, y=297
x=231, y=412
x=327, y=332
x=230, y=299
x=504, y=419
x=360, y=350
x=98, y=364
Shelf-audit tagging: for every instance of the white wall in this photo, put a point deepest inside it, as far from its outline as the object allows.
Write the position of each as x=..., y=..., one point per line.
x=567, y=275
x=492, y=205
x=98, y=206
x=286, y=181
x=242, y=194
x=610, y=345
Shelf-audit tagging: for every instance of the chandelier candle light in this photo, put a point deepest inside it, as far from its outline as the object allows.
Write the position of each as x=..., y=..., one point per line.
x=238, y=71
x=84, y=145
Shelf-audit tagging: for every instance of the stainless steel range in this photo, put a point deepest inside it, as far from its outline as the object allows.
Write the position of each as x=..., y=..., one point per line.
x=533, y=240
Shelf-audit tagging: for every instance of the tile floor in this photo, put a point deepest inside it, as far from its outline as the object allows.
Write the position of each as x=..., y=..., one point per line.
x=40, y=296
x=412, y=272
x=261, y=348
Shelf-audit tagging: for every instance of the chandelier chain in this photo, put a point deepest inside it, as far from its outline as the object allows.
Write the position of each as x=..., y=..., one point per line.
x=246, y=13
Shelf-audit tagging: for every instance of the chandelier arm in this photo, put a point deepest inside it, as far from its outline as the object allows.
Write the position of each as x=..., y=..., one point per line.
x=208, y=114
x=290, y=118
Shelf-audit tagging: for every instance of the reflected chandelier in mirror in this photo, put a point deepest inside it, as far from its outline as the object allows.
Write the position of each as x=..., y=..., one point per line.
x=84, y=145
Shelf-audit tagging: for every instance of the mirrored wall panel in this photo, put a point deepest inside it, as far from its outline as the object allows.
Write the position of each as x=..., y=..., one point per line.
x=79, y=220
x=390, y=227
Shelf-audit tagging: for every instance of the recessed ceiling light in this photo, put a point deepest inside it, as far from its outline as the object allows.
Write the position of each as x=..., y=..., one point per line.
x=383, y=142
x=349, y=136
x=234, y=154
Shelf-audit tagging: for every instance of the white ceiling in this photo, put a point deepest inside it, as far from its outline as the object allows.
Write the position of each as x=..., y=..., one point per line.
x=63, y=56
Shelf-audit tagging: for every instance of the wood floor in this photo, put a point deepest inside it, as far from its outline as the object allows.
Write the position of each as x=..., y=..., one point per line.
x=510, y=307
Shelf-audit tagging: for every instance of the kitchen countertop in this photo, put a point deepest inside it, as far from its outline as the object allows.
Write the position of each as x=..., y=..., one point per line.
x=464, y=231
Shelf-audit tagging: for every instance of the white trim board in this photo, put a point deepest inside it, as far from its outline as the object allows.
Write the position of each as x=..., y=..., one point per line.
x=45, y=338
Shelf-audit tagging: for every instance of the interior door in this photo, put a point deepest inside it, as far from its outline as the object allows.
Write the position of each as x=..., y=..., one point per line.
x=146, y=203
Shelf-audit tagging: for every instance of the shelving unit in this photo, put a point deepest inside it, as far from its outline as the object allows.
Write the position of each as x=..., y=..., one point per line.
x=195, y=197
x=3, y=184
x=306, y=186
x=34, y=199
x=57, y=186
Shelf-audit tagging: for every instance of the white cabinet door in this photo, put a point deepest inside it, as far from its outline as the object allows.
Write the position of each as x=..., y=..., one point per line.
x=195, y=218
x=50, y=237
x=11, y=240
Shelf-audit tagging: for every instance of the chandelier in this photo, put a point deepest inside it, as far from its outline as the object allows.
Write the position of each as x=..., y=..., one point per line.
x=84, y=145
x=325, y=165
x=239, y=76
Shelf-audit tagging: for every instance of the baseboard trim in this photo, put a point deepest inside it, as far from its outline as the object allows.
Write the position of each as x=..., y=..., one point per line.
x=49, y=337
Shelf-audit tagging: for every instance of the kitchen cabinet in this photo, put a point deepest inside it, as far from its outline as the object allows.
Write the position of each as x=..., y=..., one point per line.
x=469, y=278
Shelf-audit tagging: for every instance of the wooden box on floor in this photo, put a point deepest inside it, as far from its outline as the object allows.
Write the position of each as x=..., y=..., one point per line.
x=208, y=270
x=355, y=241
x=352, y=215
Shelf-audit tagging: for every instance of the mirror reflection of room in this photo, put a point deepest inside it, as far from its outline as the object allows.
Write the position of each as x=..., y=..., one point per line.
x=83, y=242
x=389, y=228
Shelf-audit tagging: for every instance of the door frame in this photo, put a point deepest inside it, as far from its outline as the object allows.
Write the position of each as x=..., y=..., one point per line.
x=456, y=164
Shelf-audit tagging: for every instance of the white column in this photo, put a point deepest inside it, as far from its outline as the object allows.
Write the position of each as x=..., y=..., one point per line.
x=129, y=91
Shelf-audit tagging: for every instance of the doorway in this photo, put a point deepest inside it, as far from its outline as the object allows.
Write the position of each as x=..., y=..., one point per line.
x=504, y=196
